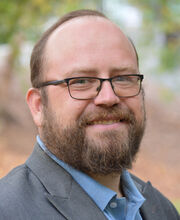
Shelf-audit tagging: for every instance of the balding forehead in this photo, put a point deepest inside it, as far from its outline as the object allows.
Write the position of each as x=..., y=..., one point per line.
x=79, y=32
x=83, y=20
x=85, y=23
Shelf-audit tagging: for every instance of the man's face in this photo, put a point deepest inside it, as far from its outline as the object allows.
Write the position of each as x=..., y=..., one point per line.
x=101, y=135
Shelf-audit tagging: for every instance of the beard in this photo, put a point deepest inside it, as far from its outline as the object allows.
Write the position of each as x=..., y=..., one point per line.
x=109, y=152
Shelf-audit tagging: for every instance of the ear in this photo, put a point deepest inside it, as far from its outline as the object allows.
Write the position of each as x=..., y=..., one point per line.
x=34, y=102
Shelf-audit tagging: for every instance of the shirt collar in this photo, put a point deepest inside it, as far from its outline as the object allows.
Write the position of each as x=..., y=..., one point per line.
x=129, y=188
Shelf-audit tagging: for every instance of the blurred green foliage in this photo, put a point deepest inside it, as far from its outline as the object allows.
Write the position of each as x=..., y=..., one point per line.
x=23, y=17
x=177, y=205
x=24, y=20
x=162, y=16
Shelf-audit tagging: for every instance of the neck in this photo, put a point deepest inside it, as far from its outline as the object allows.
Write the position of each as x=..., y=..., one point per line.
x=111, y=181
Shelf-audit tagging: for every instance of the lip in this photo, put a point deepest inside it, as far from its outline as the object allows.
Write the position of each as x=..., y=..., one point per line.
x=106, y=121
x=107, y=124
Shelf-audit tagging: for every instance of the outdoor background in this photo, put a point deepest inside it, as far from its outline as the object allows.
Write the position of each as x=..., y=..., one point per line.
x=154, y=26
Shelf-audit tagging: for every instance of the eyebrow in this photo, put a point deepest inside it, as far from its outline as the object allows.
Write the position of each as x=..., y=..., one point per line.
x=127, y=69
x=94, y=72
x=81, y=72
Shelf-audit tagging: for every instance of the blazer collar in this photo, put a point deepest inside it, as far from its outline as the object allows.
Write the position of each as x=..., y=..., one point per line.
x=152, y=207
x=62, y=191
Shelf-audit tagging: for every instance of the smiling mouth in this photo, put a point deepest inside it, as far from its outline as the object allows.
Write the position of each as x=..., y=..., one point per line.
x=106, y=122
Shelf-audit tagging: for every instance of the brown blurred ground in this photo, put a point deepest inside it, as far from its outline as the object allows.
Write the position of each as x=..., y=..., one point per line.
x=158, y=160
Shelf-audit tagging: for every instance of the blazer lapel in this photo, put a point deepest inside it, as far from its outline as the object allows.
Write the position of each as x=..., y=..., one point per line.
x=62, y=191
x=77, y=206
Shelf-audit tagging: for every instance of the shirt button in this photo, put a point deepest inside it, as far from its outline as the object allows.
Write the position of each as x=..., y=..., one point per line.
x=113, y=205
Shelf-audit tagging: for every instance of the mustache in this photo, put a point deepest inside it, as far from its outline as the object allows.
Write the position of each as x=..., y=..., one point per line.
x=125, y=115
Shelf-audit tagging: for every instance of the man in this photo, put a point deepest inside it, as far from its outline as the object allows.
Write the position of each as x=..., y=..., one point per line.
x=88, y=105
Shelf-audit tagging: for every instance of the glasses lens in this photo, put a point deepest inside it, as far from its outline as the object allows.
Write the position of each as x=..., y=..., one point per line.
x=83, y=87
x=125, y=86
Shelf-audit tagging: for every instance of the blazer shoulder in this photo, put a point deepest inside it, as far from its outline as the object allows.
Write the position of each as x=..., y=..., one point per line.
x=155, y=200
x=13, y=175
x=17, y=192
x=14, y=184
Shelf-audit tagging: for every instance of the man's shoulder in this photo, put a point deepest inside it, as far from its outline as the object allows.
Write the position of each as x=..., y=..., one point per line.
x=14, y=178
x=15, y=184
x=11, y=189
x=146, y=188
x=156, y=204
x=23, y=196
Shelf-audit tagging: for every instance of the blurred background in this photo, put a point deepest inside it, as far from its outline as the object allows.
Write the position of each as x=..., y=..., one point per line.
x=154, y=27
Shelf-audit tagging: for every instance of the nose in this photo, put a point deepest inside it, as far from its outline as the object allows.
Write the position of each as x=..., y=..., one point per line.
x=106, y=96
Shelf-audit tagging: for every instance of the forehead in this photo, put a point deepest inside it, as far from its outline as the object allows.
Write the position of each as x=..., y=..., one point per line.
x=83, y=39
x=81, y=29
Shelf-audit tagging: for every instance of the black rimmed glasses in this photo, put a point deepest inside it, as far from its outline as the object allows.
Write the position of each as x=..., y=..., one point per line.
x=84, y=88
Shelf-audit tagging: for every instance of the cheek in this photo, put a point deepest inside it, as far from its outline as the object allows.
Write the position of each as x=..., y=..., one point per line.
x=72, y=109
x=67, y=109
x=137, y=106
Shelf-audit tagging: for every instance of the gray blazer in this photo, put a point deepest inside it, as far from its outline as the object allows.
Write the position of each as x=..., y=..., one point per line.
x=42, y=190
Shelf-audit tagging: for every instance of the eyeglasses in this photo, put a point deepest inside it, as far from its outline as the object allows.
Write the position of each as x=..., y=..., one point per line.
x=84, y=88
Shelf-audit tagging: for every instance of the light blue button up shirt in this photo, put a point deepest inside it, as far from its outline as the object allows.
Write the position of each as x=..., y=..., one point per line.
x=114, y=208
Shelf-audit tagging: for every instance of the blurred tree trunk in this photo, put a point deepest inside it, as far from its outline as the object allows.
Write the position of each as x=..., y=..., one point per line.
x=6, y=84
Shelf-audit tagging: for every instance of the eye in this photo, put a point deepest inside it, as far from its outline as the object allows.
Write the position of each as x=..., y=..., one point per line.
x=79, y=81
x=126, y=79
x=83, y=83
x=121, y=79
